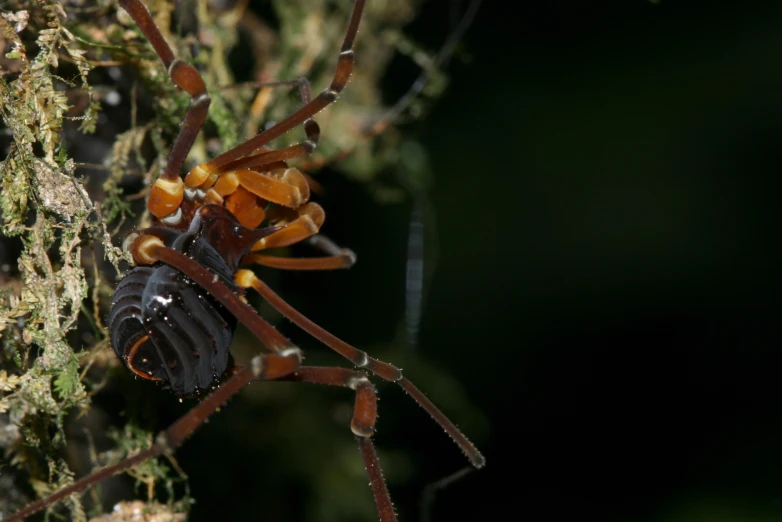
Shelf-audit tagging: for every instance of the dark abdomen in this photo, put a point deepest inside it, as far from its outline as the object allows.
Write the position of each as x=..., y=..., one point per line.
x=165, y=328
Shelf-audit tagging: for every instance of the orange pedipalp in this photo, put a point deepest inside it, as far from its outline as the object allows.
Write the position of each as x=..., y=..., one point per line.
x=246, y=207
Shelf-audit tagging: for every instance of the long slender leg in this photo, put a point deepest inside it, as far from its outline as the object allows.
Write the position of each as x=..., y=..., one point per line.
x=386, y=371
x=402, y=104
x=311, y=129
x=285, y=361
x=201, y=174
x=166, y=194
x=258, y=161
x=263, y=367
x=302, y=263
x=362, y=425
x=263, y=96
x=326, y=97
x=150, y=250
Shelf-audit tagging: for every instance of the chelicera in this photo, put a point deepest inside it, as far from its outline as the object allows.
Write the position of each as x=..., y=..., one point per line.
x=173, y=316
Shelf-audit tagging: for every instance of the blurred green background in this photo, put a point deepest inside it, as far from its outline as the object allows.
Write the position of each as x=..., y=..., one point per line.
x=603, y=319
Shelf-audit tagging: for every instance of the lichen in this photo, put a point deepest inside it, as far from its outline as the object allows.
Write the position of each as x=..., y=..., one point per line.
x=41, y=392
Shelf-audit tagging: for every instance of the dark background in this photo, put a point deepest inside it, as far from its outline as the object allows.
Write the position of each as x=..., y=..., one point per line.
x=607, y=289
x=603, y=318
x=608, y=285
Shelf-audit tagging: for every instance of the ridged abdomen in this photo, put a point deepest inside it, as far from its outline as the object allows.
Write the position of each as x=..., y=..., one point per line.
x=164, y=327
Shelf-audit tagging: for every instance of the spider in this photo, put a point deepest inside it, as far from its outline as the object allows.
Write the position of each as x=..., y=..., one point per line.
x=173, y=316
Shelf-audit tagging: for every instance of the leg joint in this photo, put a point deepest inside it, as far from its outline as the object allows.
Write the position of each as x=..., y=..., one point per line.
x=202, y=99
x=293, y=351
x=257, y=365
x=361, y=431
x=309, y=146
x=362, y=360
x=187, y=78
x=358, y=381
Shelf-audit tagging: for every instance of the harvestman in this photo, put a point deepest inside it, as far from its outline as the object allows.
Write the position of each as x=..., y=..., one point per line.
x=173, y=315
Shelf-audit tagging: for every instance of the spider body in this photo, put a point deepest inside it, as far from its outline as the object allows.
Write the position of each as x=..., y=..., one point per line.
x=164, y=326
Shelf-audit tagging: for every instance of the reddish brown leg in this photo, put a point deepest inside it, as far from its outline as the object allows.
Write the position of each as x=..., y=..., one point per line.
x=285, y=361
x=362, y=425
x=388, y=118
x=150, y=250
x=328, y=96
x=263, y=367
x=167, y=193
x=302, y=263
x=257, y=160
x=386, y=371
x=184, y=76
